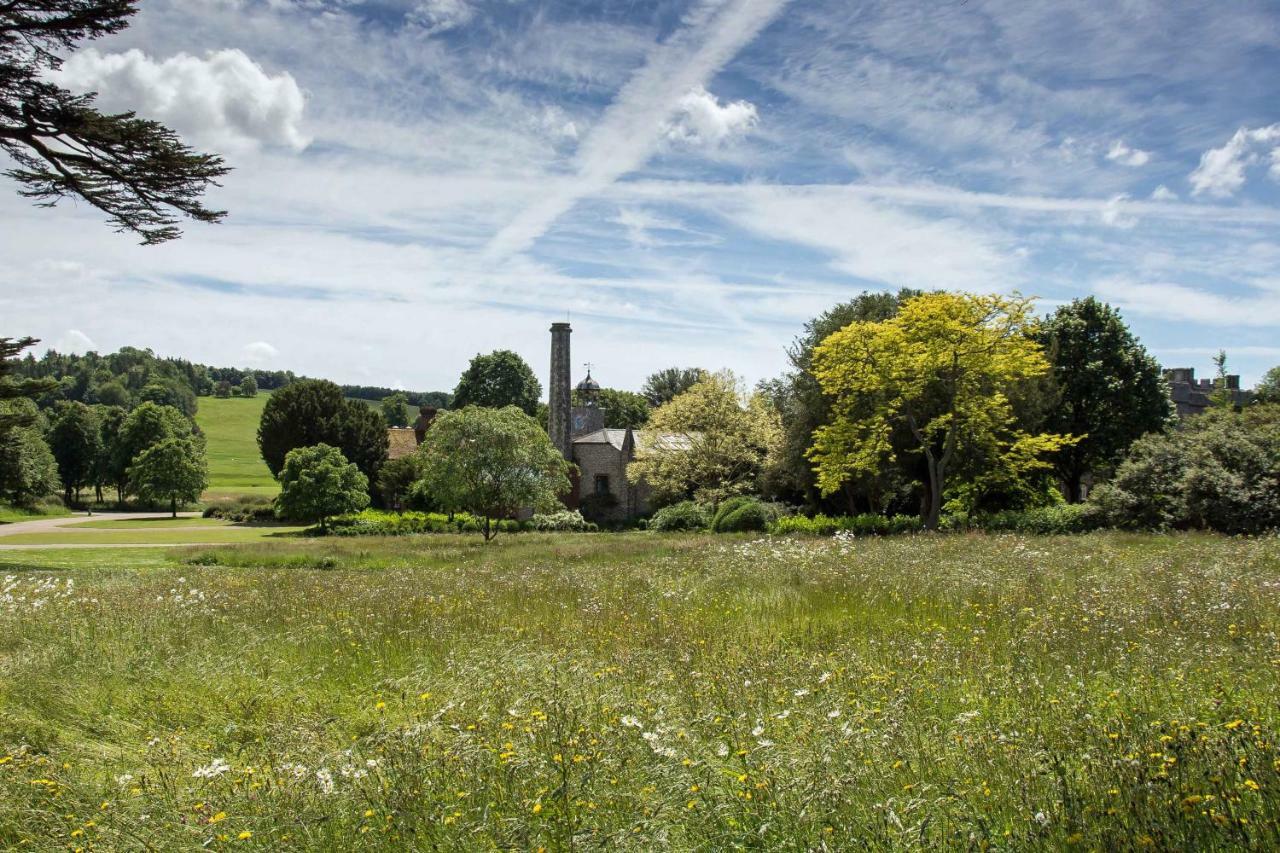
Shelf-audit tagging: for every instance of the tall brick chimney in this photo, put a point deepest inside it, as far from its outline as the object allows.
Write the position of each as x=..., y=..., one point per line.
x=559, y=390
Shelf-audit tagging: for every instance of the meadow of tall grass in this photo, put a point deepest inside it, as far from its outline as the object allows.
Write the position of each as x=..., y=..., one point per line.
x=645, y=692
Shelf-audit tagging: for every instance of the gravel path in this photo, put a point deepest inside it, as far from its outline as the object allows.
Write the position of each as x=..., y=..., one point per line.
x=69, y=525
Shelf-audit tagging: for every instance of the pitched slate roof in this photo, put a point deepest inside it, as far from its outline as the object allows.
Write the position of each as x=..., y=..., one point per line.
x=646, y=439
x=401, y=442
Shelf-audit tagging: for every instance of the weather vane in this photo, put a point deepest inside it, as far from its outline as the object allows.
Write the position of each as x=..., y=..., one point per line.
x=587, y=365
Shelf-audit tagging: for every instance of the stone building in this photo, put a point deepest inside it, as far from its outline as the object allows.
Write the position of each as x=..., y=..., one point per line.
x=601, y=485
x=1192, y=396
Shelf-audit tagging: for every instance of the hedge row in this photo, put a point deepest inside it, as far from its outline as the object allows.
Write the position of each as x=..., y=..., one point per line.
x=372, y=522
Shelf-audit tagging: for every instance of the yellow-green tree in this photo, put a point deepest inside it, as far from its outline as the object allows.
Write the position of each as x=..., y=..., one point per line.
x=941, y=369
x=728, y=439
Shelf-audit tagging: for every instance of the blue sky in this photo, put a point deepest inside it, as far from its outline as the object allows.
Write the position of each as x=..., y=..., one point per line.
x=420, y=180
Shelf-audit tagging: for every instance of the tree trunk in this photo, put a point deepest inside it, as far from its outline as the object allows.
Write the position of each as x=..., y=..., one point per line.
x=1075, y=487
x=486, y=529
x=173, y=506
x=934, y=512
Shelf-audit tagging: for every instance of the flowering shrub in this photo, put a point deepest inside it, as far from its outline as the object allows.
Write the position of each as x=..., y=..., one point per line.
x=372, y=522
x=566, y=520
x=858, y=525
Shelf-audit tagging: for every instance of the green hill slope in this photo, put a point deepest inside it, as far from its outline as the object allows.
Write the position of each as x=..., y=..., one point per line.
x=230, y=426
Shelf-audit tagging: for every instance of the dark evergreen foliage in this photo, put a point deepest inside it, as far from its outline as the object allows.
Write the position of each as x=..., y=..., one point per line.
x=137, y=172
x=314, y=411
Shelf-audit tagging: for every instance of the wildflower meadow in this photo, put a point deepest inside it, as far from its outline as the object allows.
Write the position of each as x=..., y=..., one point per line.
x=643, y=692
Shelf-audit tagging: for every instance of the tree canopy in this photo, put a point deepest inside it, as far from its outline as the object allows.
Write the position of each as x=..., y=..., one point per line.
x=622, y=409
x=1268, y=388
x=730, y=439
x=501, y=378
x=491, y=463
x=1109, y=391
x=313, y=411
x=137, y=172
x=75, y=437
x=668, y=383
x=318, y=482
x=173, y=470
x=395, y=410
x=943, y=367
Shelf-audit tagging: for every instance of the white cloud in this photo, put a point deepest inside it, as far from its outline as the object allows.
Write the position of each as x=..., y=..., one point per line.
x=701, y=120
x=1163, y=193
x=1126, y=156
x=1170, y=301
x=1221, y=170
x=259, y=353
x=75, y=341
x=1113, y=212
x=225, y=100
x=438, y=16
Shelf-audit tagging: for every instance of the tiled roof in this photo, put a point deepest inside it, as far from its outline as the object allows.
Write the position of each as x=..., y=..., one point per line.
x=401, y=442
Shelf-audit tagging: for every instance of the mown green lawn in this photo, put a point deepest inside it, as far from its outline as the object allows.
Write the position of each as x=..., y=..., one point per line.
x=154, y=536
x=644, y=692
x=230, y=426
x=158, y=523
x=10, y=514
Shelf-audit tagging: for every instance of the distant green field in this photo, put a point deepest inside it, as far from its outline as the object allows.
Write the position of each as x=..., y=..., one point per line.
x=231, y=427
x=10, y=514
x=161, y=523
x=226, y=534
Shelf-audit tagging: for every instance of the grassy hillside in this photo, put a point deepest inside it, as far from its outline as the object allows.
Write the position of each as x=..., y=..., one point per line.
x=235, y=466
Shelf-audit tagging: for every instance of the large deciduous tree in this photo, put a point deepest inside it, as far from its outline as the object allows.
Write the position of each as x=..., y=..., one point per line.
x=804, y=408
x=137, y=172
x=1109, y=391
x=501, y=378
x=75, y=437
x=728, y=440
x=173, y=470
x=395, y=410
x=622, y=409
x=491, y=463
x=943, y=367
x=318, y=482
x=670, y=382
x=144, y=427
x=1268, y=388
x=313, y=411
x=28, y=471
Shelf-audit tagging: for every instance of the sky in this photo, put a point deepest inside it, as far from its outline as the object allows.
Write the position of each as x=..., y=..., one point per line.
x=417, y=181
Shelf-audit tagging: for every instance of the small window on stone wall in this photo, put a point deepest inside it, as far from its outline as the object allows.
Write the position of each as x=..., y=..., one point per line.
x=602, y=484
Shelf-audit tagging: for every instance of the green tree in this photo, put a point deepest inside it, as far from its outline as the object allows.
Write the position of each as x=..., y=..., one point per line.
x=248, y=386
x=1268, y=389
x=804, y=408
x=112, y=394
x=491, y=463
x=396, y=482
x=12, y=388
x=173, y=470
x=727, y=440
x=110, y=419
x=146, y=426
x=1219, y=470
x=318, y=482
x=312, y=411
x=669, y=383
x=395, y=410
x=943, y=367
x=28, y=471
x=135, y=171
x=501, y=378
x=622, y=409
x=170, y=392
x=1109, y=390
x=75, y=437
x=222, y=389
